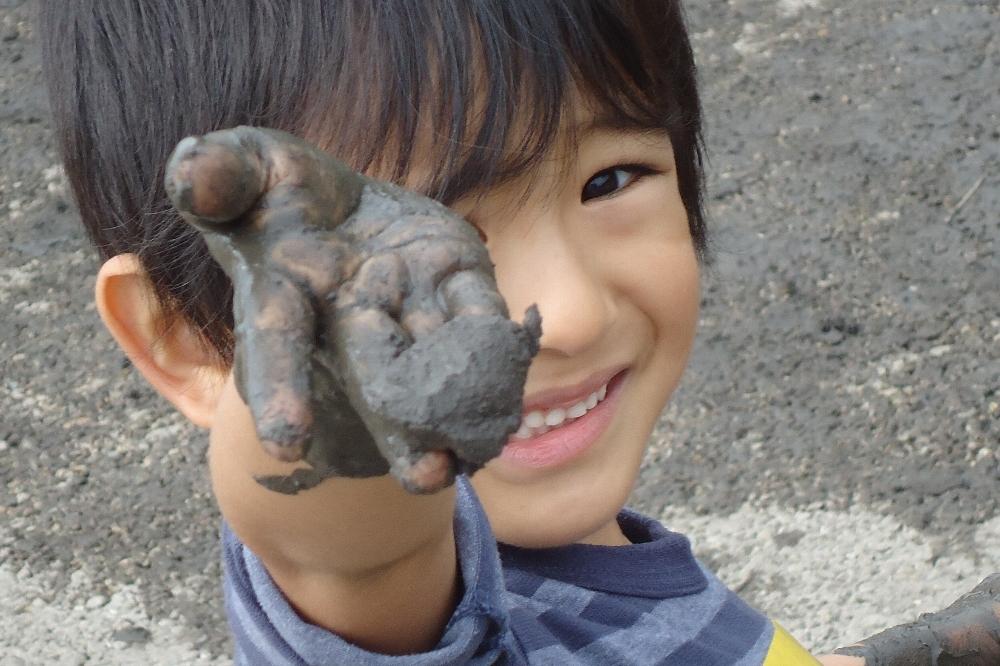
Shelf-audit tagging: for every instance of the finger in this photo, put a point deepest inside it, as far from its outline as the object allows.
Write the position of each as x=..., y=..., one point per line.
x=219, y=177
x=369, y=342
x=275, y=325
x=419, y=323
x=472, y=292
x=380, y=283
x=459, y=387
x=318, y=261
x=429, y=473
x=212, y=182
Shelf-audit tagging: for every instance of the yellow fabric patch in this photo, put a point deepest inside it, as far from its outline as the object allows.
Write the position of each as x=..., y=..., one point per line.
x=786, y=651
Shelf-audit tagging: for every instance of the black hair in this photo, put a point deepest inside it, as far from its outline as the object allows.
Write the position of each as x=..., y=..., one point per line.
x=490, y=79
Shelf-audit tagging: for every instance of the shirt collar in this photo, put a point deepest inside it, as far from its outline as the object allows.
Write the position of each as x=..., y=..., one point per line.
x=658, y=564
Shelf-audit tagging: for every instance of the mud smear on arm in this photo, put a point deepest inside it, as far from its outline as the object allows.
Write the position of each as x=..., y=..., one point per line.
x=370, y=335
x=966, y=633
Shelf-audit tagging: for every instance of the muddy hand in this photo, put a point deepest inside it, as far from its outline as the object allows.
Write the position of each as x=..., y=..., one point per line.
x=439, y=401
x=369, y=332
x=966, y=633
x=256, y=198
x=423, y=343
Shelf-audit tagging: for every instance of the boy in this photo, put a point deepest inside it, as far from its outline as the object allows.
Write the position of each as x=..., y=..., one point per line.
x=569, y=133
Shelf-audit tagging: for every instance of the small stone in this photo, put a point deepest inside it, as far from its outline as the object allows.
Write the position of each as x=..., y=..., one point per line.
x=133, y=635
x=726, y=188
x=11, y=34
x=96, y=601
x=831, y=336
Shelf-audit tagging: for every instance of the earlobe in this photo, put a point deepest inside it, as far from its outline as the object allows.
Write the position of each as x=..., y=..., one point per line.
x=167, y=351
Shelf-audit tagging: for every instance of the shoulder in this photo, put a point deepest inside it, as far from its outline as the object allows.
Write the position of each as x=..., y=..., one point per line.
x=651, y=601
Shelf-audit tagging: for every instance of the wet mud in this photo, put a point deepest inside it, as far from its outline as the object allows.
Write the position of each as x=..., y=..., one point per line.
x=966, y=633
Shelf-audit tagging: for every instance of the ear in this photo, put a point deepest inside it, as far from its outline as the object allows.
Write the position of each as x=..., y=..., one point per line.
x=168, y=352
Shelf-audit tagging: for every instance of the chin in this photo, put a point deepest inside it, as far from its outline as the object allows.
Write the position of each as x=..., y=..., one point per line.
x=556, y=511
x=554, y=536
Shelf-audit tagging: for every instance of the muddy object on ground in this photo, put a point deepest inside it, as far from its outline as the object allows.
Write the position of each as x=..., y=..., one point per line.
x=966, y=633
x=370, y=335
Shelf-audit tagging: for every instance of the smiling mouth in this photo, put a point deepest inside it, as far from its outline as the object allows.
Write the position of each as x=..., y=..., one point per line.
x=567, y=430
x=537, y=422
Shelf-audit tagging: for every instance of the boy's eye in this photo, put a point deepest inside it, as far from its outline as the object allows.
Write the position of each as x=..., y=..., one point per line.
x=609, y=181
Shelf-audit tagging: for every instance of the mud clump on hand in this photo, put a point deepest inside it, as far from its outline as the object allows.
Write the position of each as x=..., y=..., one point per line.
x=966, y=633
x=370, y=335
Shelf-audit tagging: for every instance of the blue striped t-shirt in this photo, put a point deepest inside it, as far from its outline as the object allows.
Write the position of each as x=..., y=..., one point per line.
x=650, y=602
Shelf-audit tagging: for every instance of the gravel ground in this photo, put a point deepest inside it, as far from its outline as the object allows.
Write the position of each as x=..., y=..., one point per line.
x=834, y=451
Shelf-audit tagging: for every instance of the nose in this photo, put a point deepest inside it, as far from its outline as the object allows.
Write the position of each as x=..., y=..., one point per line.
x=576, y=304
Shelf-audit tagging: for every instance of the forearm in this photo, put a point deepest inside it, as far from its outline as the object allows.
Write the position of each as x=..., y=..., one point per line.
x=348, y=527
x=361, y=557
x=402, y=608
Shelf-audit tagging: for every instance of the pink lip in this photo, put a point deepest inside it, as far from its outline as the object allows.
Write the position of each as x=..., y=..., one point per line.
x=569, y=395
x=566, y=442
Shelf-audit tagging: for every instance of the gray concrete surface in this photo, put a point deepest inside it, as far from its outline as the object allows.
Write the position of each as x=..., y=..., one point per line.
x=834, y=450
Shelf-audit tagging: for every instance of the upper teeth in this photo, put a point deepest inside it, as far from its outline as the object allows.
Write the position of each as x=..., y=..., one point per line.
x=536, y=422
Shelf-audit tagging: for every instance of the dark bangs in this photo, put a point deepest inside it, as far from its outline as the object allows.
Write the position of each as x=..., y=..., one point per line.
x=492, y=80
x=483, y=84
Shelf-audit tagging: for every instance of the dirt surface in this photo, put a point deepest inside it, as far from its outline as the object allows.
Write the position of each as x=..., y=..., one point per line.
x=841, y=415
x=850, y=344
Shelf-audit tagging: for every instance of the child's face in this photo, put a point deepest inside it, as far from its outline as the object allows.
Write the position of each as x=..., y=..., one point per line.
x=597, y=238
x=602, y=246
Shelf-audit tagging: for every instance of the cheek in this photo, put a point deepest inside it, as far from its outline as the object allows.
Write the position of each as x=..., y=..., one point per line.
x=648, y=258
x=671, y=292
x=660, y=279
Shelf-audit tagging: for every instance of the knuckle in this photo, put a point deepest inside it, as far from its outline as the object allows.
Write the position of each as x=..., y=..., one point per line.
x=380, y=283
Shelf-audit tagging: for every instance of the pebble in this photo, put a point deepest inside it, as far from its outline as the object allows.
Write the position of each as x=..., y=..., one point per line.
x=96, y=601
